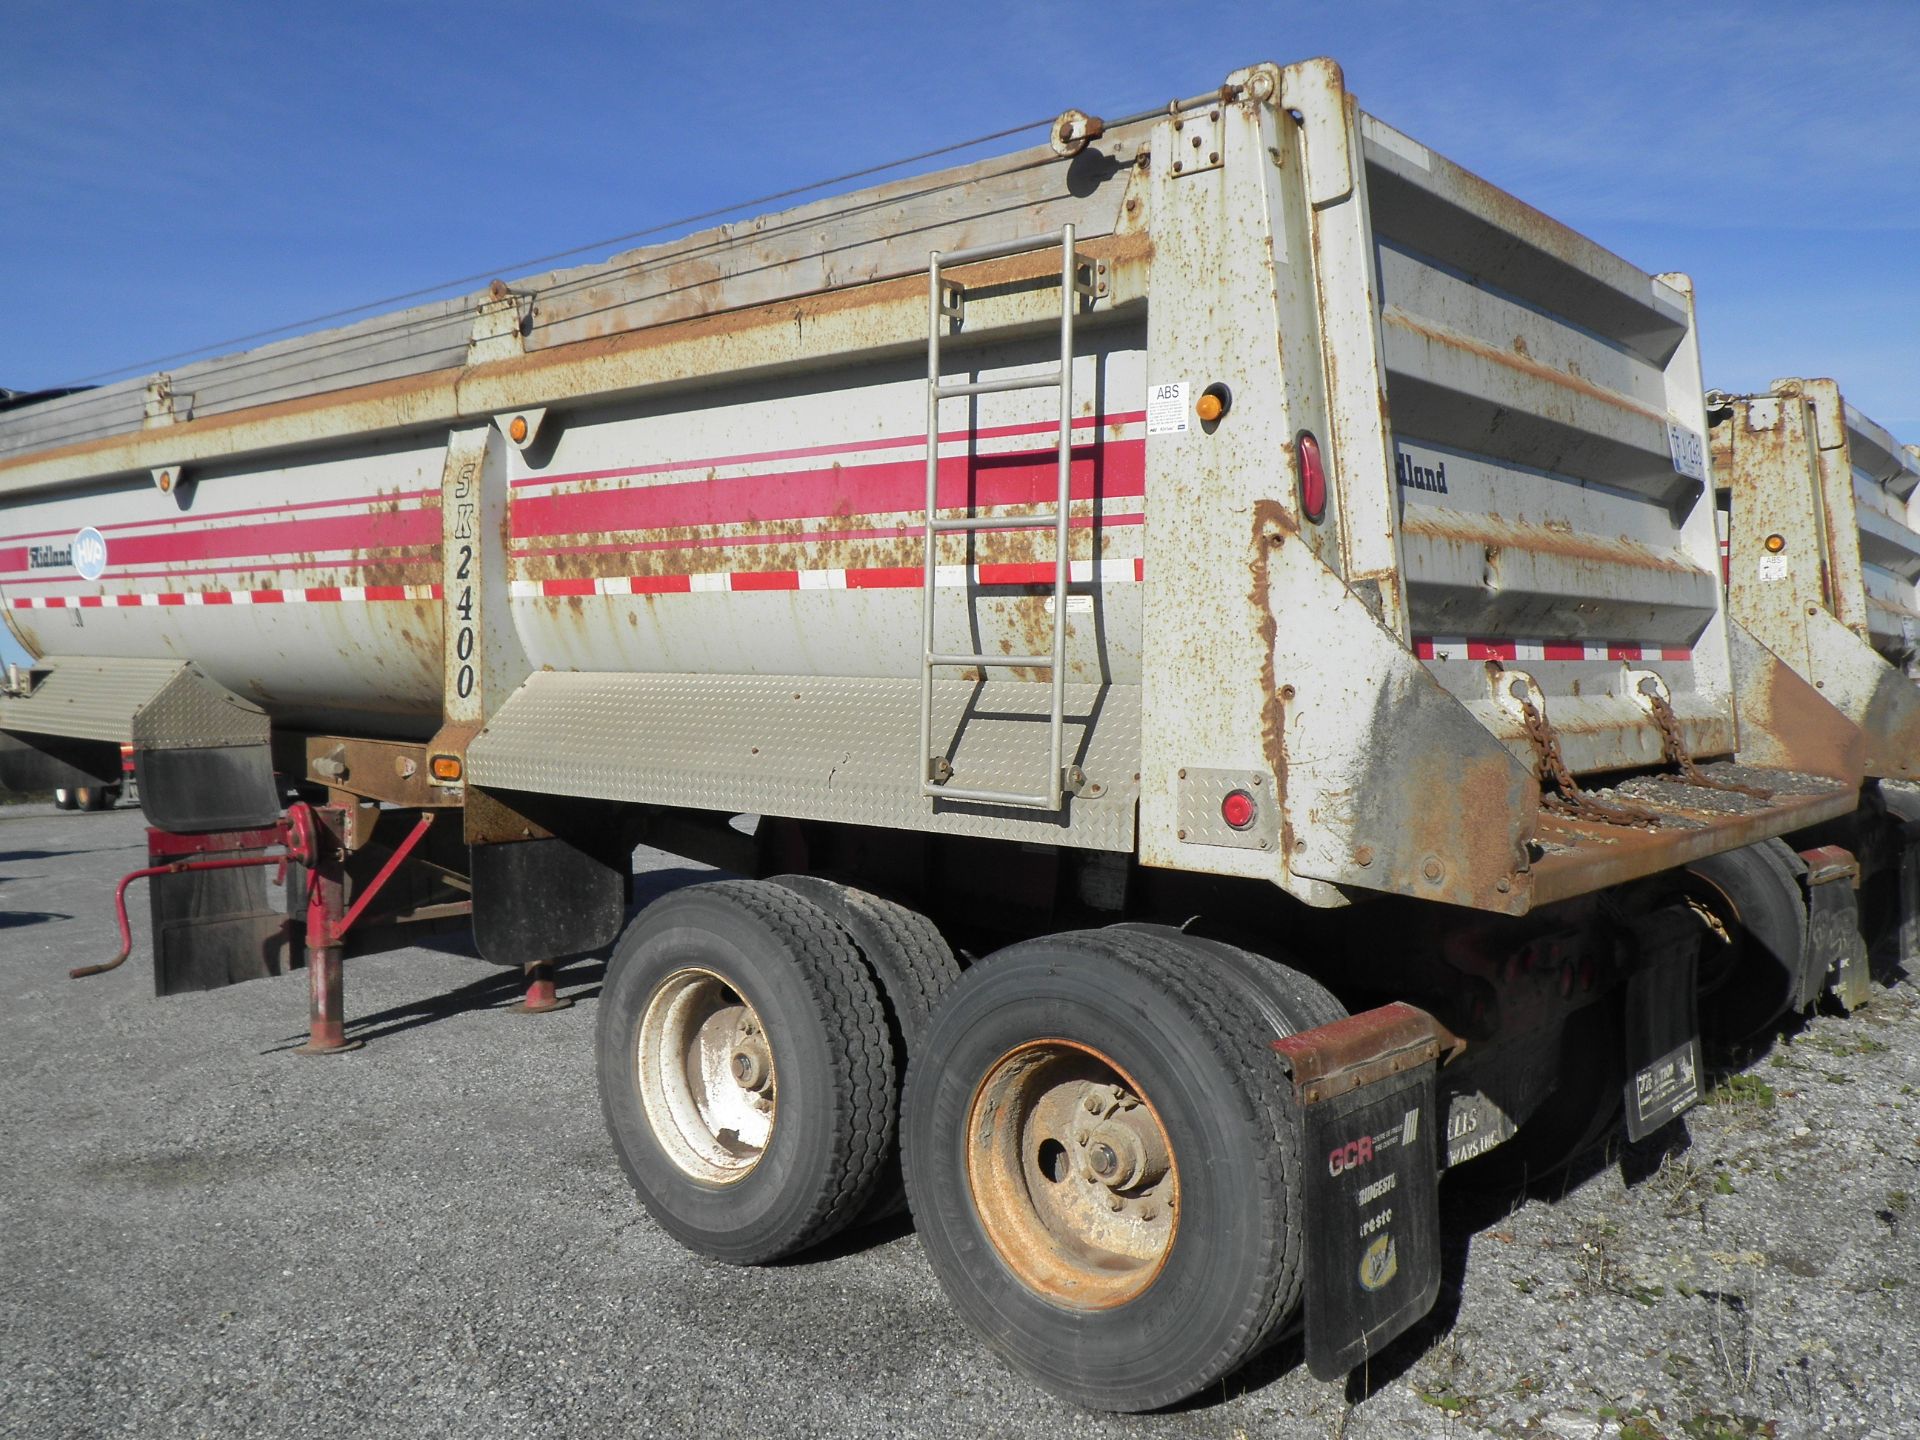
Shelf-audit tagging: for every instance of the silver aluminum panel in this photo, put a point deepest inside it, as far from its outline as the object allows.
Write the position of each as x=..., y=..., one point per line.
x=88, y=699
x=818, y=748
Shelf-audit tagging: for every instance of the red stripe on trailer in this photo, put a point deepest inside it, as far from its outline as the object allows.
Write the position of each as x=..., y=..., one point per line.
x=838, y=447
x=386, y=592
x=216, y=597
x=1623, y=652
x=288, y=508
x=14, y=558
x=172, y=597
x=1675, y=652
x=126, y=599
x=766, y=580
x=660, y=584
x=324, y=593
x=268, y=597
x=1030, y=574
x=566, y=587
x=1563, y=651
x=1493, y=650
x=1422, y=648
x=897, y=577
x=1026, y=477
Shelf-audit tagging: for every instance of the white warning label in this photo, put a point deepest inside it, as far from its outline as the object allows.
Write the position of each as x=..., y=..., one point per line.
x=1167, y=409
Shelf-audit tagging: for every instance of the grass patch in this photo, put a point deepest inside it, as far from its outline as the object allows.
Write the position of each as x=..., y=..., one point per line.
x=1745, y=1090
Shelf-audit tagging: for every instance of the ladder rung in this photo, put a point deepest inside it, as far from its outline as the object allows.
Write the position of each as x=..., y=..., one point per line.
x=1001, y=660
x=991, y=797
x=994, y=387
x=998, y=522
x=997, y=249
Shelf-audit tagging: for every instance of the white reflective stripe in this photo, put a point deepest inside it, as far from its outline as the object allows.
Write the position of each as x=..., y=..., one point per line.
x=708, y=582
x=523, y=589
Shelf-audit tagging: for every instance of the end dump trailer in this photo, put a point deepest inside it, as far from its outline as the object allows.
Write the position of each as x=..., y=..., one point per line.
x=1821, y=559
x=1248, y=578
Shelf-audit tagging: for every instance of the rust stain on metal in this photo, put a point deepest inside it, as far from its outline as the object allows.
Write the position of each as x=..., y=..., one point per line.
x=1522, y=362
x=1495, y=534
x=1273, y=525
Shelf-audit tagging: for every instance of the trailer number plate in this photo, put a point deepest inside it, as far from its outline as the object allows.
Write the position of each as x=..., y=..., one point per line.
x=1167, y=409
x=1689, y=455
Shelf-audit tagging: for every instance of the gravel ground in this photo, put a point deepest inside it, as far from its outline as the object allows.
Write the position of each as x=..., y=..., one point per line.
x=207, y=1235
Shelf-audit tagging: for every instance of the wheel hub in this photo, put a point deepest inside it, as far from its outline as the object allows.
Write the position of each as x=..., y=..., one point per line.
x=1072, y=1174
x=706, y=1077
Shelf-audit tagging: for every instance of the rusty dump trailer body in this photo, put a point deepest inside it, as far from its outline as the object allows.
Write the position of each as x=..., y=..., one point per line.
x=1823, y=555
x=1206, y=512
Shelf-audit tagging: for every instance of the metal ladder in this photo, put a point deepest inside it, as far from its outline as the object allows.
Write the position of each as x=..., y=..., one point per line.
x=935, y=769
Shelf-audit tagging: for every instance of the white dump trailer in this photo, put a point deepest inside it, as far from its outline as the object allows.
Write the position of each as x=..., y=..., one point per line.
x=1821, y=558
x=1248, y=579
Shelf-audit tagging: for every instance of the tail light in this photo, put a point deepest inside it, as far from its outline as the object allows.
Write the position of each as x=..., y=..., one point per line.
x=1313, y=477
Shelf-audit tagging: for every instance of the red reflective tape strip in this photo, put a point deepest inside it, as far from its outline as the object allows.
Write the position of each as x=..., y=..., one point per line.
x=1492, y=650
x=172, y=597
x=566, y=587
x=268, y=597
x=216, y=597
x=1422, y=648
x=766, y=580
x=1675, y=652
x=323, y=593
x=897, y=577
x=660, y=584
x=1623, y=652
x=126, y=599
x=386, y=592
x=1564, y=651
x=1016, y=575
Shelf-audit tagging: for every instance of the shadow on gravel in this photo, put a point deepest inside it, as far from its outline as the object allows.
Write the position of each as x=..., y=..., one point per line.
x=497, y=990
x=19, y=919
x=7, y=857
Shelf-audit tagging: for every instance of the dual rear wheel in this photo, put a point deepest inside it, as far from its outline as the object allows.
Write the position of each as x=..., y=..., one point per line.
x=1095, y=1137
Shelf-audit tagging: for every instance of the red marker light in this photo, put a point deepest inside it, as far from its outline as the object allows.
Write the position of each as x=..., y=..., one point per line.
x=1237, y=809
x=1313, y=477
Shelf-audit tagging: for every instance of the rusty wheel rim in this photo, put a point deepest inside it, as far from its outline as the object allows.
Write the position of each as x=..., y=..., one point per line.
x=1072, y=1175
x=705, y=1072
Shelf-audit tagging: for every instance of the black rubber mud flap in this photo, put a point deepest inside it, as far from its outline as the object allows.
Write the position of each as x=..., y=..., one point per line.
x=190, y=790
x=1371, y=1179
x=1663, y=1031
x=1836, y=950
x=213, y=928
x=1372, y=1187
x=538, y=900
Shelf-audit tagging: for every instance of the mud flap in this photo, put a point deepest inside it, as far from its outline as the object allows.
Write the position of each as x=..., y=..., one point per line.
x=1663, y=1028
x=538, y=900
x=1371, y=1183
x=213, y=928
x=1836, y=950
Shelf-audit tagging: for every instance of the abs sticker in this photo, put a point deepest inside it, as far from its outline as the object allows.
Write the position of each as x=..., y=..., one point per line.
x=90, y=554
x=1167, y=411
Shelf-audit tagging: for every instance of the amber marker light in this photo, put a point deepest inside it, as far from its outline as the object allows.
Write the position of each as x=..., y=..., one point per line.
x=1775, y=544
x=166, y=481
x=446, y=767
x=518, y=429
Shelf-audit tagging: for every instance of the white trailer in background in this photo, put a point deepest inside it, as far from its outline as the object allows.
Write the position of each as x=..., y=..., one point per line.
x=1821, y=559
x=1230, y=563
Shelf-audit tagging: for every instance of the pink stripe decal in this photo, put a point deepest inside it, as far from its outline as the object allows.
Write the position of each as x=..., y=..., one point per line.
x=839, y=447
x=987, y=481
x=289, y=508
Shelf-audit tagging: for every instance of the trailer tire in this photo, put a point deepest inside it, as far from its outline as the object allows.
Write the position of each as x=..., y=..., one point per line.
x=744, y=1069
x=63, y=799
x=1750, y=967
x=912, y=965
x=1114, y=1319
x=91, y=797
x=1288, y=999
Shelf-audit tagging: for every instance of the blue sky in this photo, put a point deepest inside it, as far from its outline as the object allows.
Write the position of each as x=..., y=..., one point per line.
x=174, y=175
x=171, y=176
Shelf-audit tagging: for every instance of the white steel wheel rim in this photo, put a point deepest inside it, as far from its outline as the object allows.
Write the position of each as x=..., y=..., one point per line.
x=706, y=1077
